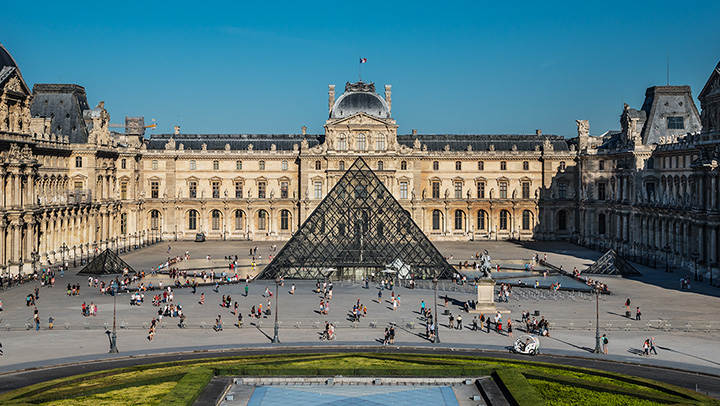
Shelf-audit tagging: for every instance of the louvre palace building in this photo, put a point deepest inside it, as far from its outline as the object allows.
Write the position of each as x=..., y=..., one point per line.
x=72, y=186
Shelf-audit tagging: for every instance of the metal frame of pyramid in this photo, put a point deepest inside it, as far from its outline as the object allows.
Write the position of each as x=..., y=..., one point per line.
x=612, y=264
x=357, y=229
x=108, y=262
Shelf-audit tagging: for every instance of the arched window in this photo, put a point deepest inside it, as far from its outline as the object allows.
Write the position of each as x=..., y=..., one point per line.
x=192, y=219
x=481, y=165
x=341, y=165
x=458, y=165
x=261, y=165
x=78, y=162
x=562, y=220
x=503, y=165
x=436, y=219
x=504, y=220
x=561, y=166
x=403, y=165
x=154, y=220
x=601, y=224
x=482, y=220
x=342, y=143
x=216, y=219
x=459, y=220
x=238, y=165
x=262, y=220
x=361, y=142
x=380, y=143
x=239, y=220
x=284, y=220
x=526, y=165
x=436, y=165
x=380, y=165
x=318, y=165
x=527, y=217
x=193, y=165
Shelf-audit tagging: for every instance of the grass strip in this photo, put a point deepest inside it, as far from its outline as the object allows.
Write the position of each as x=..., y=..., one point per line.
x=516, y=388
x=557, y=394
x=189, y=387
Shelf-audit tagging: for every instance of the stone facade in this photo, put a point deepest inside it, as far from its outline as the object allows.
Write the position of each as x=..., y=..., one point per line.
x=68, y=179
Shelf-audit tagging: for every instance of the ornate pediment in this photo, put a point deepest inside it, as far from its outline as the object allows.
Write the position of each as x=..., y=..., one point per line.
x=361, y=119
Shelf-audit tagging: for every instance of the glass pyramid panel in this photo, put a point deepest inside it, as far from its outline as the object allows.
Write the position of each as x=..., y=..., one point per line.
x=358, y=229
x=108, y=262
x=612, y=264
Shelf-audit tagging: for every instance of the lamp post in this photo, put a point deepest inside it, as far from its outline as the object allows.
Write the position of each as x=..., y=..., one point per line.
x=113, y=336
x=695, y=256
x=74, y=256
x=666, y=250
x=598, y=348
x=276, y=339
x=63, y=248
x=437, y=325
x=655, y=249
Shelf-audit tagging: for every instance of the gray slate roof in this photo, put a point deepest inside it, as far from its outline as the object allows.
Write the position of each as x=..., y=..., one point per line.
x=65, y=104
x=482, y=142
x=263, y=142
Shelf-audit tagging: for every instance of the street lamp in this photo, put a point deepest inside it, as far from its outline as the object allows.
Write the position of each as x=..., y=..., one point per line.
x=113, y=336
x=666, y=249
x=437, y=325
x=63, y=248
x=695, y=256
x=655, y=249
x=276, y=339
x=598, y=348
x=74, y=256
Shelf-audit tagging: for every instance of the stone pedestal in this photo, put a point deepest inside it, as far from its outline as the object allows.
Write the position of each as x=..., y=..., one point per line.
x=486, y=298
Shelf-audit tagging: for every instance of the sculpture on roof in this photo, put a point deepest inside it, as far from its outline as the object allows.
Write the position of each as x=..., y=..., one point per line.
x=583, y=127
x=359, y=87
x=416, y=144
x=203, y=146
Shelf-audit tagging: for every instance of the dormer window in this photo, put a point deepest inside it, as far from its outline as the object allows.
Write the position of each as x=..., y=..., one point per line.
x=675, y=123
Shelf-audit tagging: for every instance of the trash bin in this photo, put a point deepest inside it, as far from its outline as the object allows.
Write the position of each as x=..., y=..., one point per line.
x=627, y=314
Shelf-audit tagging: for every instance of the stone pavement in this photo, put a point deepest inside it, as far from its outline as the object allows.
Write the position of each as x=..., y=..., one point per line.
x=685, y=323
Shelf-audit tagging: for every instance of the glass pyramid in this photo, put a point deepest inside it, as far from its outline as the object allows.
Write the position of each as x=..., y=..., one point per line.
x=357, y=230
x=108, y=262
x=612, y=264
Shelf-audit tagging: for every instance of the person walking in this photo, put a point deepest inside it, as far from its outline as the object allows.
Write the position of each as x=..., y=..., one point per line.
x=652, y=346
x=605, y=343
x=509, y=328
x=637, y=313
x=246, y=290
x=459, y=322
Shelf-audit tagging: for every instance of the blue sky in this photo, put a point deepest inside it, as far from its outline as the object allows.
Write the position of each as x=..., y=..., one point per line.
x=456, y=67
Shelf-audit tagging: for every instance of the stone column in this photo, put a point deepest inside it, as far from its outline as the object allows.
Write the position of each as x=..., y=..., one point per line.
x=713, y=193
x=3, y=248
x=712, y=252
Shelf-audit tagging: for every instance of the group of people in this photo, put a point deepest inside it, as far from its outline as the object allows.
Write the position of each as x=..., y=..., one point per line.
x=541, y=327
x=89, y=310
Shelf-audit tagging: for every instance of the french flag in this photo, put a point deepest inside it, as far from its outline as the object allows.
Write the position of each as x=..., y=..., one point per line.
x=363, y=60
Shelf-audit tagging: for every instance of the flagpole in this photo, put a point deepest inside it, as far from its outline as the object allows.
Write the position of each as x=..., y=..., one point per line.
x=359, y=68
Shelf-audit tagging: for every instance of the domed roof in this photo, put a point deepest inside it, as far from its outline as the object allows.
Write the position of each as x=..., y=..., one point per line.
x=5, y=58
x=360, y=98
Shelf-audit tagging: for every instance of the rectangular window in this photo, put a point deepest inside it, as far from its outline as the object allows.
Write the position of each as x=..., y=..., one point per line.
x=526, y=190
x=318, y=190
x=650, y=188
x=238, y=190
x=283, y=165
x=675, y=123
x=261, y=190
x=238, y=165
x=341, y=165
x=78, y=162
x=601, y=165
x=154, y=190
x=123, y=191
x=503, y=189
x=123, y=223
x=283, y=190
x=123, y=164
x=503, y=165
x=192, y=165
x=562, y=190
x=261, y=165
x=192, y=187
x=155, y=165
x=403, y=190
x=216, y=190
x=436, y=190
x=381, y=165
x=458, y=190
x=78, y=185
x=481, y=190
x=601, y=191
x=216, y=165
x=481, y=165
x=526, y=165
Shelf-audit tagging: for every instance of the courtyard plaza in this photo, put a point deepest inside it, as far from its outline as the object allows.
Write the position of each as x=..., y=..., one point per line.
x=683, y=322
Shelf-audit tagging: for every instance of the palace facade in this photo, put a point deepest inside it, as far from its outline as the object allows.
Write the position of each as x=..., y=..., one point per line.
x=71, y=186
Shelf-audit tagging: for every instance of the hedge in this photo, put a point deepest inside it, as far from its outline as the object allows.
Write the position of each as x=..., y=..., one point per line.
x=189, y=387
x=516, y=388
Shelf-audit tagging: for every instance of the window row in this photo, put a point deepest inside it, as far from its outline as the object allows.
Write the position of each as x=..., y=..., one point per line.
x=239, y=220
x=192, y=164
x=481, y=165
x=361, y=142
x=504, y=220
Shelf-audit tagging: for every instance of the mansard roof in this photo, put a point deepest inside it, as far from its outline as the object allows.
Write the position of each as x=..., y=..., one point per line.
x=6, y=59
x=216, y=142
x=65, y=104
x=360, y=97
x=482, y=142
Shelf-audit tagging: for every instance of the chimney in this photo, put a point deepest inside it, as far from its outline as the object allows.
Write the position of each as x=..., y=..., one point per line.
x=388, y=96
x=304, y=130
x=538, y=132
x=177, y=129
x=331, y=97
x=414, y=132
